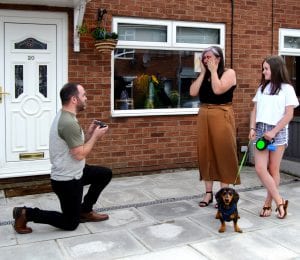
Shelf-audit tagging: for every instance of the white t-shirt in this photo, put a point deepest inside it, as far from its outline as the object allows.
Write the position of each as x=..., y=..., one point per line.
x=271, y=108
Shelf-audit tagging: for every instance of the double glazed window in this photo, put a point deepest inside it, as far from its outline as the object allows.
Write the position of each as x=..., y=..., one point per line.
x=289, y=48
x=155, y=63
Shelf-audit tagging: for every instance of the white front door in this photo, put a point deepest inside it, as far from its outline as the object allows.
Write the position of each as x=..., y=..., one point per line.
x=32, y=78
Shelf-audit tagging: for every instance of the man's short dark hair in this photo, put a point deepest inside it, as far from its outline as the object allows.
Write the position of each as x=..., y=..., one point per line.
x=68, y=90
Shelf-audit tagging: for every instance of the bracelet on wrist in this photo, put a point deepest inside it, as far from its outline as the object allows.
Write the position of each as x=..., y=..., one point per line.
x=253, y=129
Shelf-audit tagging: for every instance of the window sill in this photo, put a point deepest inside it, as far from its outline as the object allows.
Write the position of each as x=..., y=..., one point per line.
x=154, y=112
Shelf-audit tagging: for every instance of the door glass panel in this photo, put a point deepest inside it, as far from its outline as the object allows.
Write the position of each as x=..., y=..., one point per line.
x=31, y=43
x=43, y=80
x=19, y=80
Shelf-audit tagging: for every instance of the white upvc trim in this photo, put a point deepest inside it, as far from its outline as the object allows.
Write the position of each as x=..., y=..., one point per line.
x=79, y=10
x=198, y=46
x=169, y=45
x=145, y=45
x=154, y=112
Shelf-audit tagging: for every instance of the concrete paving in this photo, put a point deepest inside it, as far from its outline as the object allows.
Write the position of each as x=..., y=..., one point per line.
x=157, y=217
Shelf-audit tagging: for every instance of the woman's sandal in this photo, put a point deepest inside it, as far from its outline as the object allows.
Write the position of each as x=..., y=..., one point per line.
x=204, y=203
x=284, y=205
x=266, y=211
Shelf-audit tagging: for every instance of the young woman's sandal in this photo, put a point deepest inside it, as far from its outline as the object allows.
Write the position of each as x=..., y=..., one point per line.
x=266, y=211
x=283, y=206
x=203, y=203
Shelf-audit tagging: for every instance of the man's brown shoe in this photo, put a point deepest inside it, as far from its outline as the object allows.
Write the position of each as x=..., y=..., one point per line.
x=92, y=217
x=19, y=214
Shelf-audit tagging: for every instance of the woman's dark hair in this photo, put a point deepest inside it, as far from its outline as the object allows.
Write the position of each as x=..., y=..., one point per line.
x=279, y=74
x=217, y=51
x=68, y=90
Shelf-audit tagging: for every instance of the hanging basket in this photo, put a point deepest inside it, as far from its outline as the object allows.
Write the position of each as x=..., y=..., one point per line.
x=106, y=45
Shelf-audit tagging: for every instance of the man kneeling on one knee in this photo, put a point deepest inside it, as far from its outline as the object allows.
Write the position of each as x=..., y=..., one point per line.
x=68, y=147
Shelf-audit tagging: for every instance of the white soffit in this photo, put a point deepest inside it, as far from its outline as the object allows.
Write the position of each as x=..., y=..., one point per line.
x=79, y=10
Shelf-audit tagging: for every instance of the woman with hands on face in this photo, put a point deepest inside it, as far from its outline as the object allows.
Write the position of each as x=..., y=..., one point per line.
x=216, y=146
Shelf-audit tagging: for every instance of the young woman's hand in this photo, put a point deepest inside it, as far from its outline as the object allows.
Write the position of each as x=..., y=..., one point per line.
x=269, y=135
x=252, y=134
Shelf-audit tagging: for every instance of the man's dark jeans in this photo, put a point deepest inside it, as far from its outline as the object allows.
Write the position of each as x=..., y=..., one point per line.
x=70, y=196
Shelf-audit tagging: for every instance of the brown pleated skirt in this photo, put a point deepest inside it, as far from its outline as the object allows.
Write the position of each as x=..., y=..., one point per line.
x=217, y=150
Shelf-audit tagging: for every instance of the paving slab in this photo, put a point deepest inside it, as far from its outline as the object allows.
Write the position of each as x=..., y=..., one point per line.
x=32, y=251
x=2, y=198
x=247, y=246
x=123, y=197
x=7, y=236
x=123, y=183
x=173, y=190
x=285, y=235
x=171, y=234
x=43, y=232
x=107, y=245
x=169, y=211
x=179, y=253
x=121, y=219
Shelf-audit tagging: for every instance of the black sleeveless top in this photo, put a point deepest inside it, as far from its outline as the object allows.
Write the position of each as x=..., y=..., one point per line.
x=206, y=94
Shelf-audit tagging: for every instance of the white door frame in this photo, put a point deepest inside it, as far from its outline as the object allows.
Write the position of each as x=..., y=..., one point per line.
x=60, y=19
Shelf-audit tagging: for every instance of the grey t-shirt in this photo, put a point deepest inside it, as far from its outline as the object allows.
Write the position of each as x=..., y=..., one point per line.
x=65, y=134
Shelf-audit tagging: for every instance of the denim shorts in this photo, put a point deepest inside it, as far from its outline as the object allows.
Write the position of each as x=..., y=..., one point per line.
x=281, y=138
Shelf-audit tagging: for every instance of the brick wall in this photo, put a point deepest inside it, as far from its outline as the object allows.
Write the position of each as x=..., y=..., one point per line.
x=141, y=144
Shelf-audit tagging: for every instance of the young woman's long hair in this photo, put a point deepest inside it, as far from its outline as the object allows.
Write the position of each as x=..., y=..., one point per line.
x=217, y=51
x=279, y=74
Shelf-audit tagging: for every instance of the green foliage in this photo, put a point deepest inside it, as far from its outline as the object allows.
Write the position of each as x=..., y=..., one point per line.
x=100, y=33
x=82, y=29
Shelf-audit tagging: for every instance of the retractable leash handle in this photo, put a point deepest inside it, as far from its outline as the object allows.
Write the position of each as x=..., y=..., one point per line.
x=262, y=144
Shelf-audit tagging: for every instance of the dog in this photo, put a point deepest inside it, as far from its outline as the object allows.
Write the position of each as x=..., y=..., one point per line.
x=227, y=199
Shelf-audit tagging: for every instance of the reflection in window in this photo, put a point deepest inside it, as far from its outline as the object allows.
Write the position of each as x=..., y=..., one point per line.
x=142, y=32
x=43, y=80
x=154, y=79
x=19, y=80
x=197, y=35
x=31, y=43
x=291, y=42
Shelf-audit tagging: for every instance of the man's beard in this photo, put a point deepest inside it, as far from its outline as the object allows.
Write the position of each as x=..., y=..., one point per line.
x=80, y=107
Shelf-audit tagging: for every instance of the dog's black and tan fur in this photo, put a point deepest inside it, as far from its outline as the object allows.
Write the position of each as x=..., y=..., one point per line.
x=227, y=199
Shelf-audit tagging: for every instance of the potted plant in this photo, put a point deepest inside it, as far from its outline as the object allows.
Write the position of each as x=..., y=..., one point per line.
x=104, y=41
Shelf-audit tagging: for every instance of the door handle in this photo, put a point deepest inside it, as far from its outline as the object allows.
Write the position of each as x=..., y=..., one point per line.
x=2, y=93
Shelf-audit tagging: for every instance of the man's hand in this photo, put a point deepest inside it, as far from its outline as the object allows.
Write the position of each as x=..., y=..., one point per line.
x=81, y=152
x=100, y=131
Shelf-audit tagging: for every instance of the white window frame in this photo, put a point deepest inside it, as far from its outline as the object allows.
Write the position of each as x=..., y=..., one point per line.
x=288, y=51
x=196, y=46
x=169, y=45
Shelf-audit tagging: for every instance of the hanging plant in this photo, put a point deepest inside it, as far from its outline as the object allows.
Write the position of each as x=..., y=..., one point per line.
x=104, y=40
